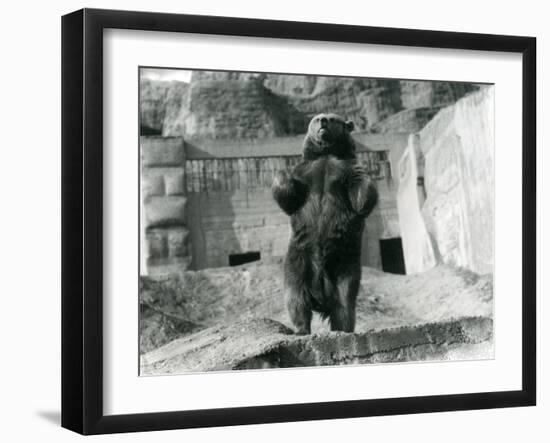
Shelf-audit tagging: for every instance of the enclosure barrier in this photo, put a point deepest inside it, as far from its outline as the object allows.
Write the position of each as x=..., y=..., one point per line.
x=228, y=174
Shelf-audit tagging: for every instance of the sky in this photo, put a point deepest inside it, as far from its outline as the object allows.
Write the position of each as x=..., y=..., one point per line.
x=166, y=74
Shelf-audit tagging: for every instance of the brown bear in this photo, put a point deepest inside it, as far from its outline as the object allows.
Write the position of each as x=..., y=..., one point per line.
x=328, y=196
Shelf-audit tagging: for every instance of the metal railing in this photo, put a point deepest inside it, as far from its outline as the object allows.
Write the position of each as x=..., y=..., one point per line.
x=229, y=174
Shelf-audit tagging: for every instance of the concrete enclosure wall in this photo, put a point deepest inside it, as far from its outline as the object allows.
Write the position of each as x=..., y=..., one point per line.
x=196, y=212
x=232, y=222
x=458, y=214
x=164, y=237
x=418, y=251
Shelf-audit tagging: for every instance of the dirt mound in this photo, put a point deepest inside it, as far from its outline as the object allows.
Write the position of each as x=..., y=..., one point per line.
x=196, y=300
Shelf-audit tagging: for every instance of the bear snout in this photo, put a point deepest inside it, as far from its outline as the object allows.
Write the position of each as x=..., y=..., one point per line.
x=324, y=134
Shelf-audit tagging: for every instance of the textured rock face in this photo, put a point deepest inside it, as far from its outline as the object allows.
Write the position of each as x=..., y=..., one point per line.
x=421, y=94
x=408, y=120
x=233, y=105
x=152, y=101
x=233, y=109
x=176, y=100
x=159, y=100
x=458, y=148
x=446, y=188
x=364, y=101
x=291, y=84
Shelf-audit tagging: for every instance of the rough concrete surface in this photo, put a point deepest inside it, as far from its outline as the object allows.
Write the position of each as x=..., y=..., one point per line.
x=265, y=343
x=235, y=318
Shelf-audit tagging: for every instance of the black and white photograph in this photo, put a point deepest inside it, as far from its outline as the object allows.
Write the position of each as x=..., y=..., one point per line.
x=290, y=220
x=275, y=222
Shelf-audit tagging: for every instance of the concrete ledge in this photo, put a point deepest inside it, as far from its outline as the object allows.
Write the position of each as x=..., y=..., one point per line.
x=265, y=343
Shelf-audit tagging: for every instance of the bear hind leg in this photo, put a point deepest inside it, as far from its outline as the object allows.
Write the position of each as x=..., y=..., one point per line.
x=342, y=316
x=299, y=310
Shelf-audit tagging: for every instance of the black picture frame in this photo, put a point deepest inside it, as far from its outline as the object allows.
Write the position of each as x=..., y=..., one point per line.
x=82, y=218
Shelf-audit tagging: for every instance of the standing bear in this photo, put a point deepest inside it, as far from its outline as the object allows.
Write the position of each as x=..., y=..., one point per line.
x=328, y=196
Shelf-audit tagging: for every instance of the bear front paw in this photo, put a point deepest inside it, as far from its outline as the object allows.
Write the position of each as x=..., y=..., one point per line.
x=280, y=179
x=359, y=172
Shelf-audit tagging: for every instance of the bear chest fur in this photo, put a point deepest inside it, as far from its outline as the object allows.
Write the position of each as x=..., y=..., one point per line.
x=327, y=222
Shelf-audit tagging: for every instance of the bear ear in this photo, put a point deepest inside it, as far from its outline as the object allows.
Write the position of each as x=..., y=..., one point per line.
x=349, y=125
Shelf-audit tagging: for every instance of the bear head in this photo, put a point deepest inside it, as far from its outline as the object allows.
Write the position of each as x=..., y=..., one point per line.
x=329, y=134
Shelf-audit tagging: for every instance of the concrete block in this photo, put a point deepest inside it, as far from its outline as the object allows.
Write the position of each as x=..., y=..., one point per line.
x=164, y=212
x=157, y=245
x=159, y=151
x=152, y=183
x=178, y=246
x=174, y=182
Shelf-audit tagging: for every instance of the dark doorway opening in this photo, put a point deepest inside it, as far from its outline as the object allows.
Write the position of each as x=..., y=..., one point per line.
x=391, y=250
x=241, y=259
x=146, y=130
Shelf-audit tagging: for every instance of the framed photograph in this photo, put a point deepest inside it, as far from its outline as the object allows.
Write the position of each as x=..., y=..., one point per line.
x=270, y=221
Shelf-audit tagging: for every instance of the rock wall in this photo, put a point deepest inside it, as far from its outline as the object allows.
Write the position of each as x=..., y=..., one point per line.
x=291, y=84
x=159, y=101
x=232, y=109
x=422, y=94
x=365, y=101
x=458, y=151
x=234, y=105
x=406, y=121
